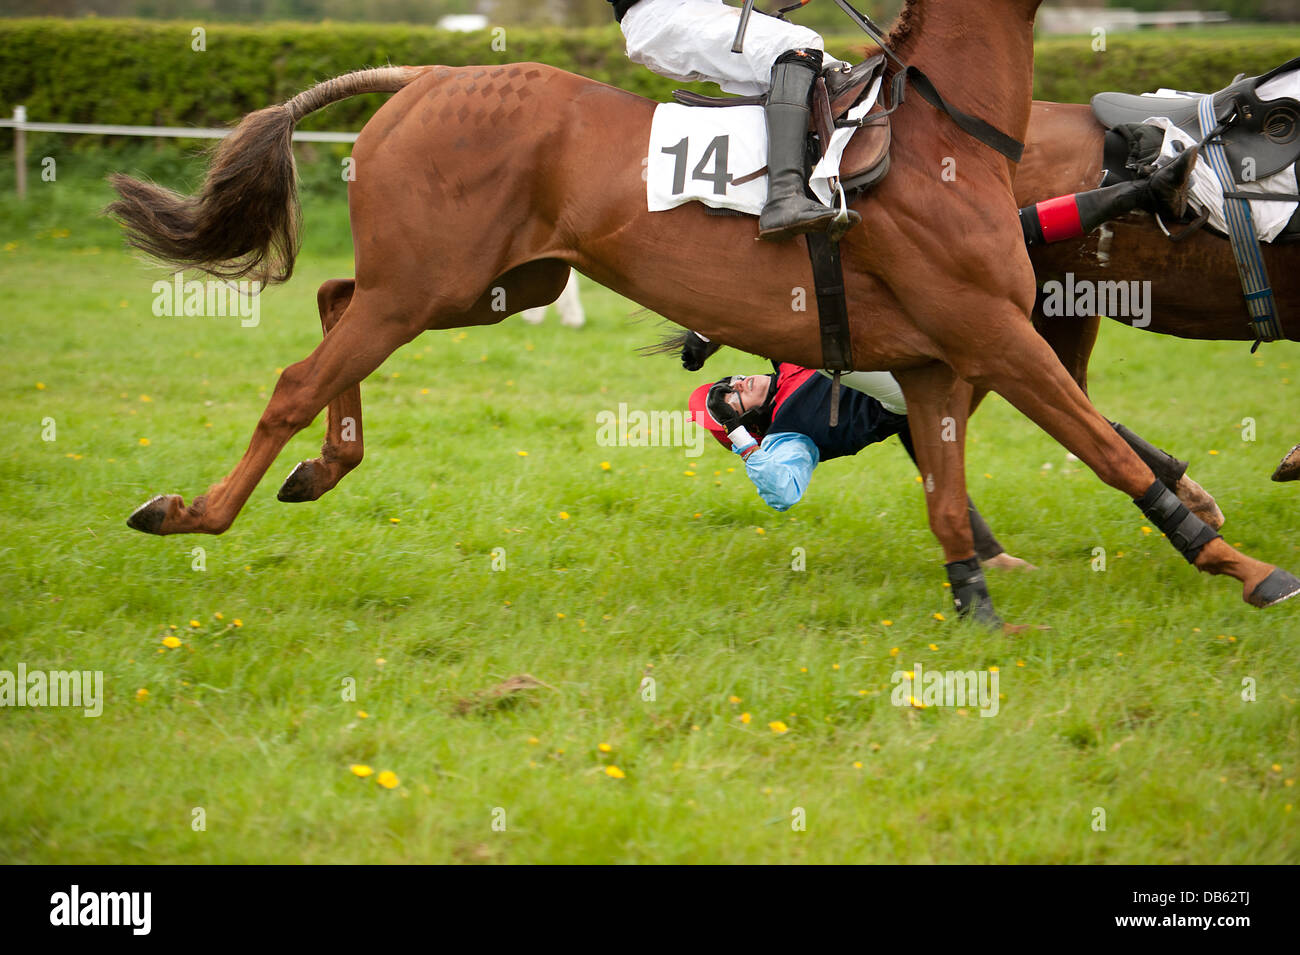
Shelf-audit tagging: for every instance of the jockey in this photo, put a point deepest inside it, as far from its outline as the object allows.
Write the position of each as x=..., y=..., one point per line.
x=690, y=40
x=778, y=424
x=790, y=407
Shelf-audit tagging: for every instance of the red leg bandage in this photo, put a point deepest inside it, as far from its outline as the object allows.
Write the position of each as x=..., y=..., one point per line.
x=1059, y=219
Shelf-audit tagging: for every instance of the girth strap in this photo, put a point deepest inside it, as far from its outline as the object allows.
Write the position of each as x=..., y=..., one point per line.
x=1260, y=303
x=832, y=312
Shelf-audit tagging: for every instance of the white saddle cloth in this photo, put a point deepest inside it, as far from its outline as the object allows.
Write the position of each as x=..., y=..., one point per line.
x=696, y=153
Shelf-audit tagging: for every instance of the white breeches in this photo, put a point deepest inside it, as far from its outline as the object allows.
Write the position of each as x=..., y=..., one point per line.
x=881, y=385
x=690, y=40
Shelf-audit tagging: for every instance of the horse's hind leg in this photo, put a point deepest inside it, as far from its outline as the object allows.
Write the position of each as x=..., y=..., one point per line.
x=372, y=328
x=343, y=446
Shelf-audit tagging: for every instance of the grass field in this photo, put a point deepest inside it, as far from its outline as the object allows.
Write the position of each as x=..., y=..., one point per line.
x=657, y=565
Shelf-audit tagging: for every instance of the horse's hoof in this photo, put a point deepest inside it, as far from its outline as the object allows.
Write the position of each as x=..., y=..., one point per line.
x=1289, y=469
x=1005, y=561
x=149, y=516
x=298, y=486
x=1273, y=589
x=1199, y=501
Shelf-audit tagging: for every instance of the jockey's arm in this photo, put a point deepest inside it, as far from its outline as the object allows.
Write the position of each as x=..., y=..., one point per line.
x=780, y=467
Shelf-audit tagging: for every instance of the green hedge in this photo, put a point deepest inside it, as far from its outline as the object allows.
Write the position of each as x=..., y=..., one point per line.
x=144, y=72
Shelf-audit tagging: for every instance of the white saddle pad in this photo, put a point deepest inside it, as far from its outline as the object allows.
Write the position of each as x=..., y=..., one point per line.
x=697, y=153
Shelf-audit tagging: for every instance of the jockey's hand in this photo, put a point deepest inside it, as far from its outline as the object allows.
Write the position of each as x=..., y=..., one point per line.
x=722, y=412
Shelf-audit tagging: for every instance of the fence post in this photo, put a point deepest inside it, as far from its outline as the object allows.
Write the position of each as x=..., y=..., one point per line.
x=20, y=151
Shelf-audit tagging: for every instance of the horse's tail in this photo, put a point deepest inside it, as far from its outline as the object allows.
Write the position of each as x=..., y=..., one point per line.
x=245, y=219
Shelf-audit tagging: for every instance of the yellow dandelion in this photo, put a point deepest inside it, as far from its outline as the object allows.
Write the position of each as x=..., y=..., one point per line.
x=523, y=454
x=993, y=669
x=171, y=642
x=394, y=520
x=237, y=622
x=144, y=442
x=564, y=515
x=604, y=465
x=613, y=772
x=835, y=666
x=605, y=748
x=933, y=646
x=533, y=740
x=388, y=779
x=141, y=694
x=40, y=386
x=424, y=391
x=1212, y=451
x=916, y=703
x=362, y=770
x=1020, y=663
x=893, y=651
x=857, y=765
x=689, y=473
x=559, y=616
x=195, y=624
x=777, y=727
x=1277, y=767
x=362, y=714
x=886, y=623
x=146, y=399
x=939, y=616
x=760, y=530
x=1145, y=530
x=380, y=661
x=745, y=718
x=735, y=699
x=219, y=615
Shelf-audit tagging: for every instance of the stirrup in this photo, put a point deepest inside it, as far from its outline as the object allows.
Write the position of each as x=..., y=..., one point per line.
x=842, y=222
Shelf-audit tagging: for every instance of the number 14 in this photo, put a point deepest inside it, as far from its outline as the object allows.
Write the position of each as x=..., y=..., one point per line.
x=720, y=176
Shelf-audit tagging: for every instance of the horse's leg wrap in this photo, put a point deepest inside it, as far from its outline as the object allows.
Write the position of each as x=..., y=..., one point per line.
x=1187, y=532
x=970, y=592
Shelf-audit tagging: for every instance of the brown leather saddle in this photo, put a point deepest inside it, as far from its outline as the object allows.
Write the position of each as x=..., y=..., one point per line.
x=866, y=159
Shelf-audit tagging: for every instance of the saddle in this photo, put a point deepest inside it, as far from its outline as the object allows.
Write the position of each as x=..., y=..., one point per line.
x=1264, y=131
x=866, y=159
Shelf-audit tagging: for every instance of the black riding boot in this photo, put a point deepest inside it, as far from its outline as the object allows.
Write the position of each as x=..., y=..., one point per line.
x=788, y=210
x=1164, y=191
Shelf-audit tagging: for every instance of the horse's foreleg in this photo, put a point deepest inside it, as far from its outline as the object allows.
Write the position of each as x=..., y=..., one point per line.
x=1022, y=368
x=365, y=336
x=938, y=403
x=343, y=446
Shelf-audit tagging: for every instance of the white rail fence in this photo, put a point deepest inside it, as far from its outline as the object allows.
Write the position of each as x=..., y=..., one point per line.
x=20, y=125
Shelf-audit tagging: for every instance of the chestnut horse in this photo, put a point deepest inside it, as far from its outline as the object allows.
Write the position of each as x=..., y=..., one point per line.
x=1195, y=291
x=482, y=181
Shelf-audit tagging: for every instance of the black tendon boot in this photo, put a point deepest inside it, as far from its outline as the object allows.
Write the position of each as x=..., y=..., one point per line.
x=788, y=210
x=970, y=593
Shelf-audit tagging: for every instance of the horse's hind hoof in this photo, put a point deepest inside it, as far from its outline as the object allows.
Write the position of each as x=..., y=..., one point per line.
x=1273, y=589
x=299, y=485
x=149, y=516
x=1289, y=469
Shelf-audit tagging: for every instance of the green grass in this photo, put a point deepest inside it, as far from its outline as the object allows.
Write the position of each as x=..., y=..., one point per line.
x=1131, y=702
